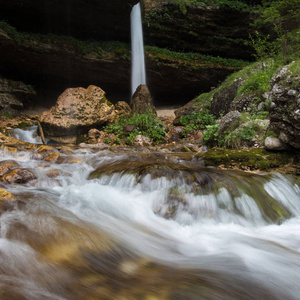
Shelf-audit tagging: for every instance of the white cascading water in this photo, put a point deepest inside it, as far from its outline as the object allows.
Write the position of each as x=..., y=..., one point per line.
x=29, y=135
x=74, y=237
x=138, y=73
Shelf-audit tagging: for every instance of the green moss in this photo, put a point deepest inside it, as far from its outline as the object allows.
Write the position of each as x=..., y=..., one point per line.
x=194, y=59
x=23, y=125
x=252, y=159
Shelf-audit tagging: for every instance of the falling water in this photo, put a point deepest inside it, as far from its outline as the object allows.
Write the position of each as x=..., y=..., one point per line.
x=138, y=75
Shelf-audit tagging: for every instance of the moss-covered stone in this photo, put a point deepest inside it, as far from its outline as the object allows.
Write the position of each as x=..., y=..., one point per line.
x=250, y=159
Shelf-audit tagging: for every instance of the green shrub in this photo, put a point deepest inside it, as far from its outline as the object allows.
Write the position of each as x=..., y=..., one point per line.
x=144, y=124
x=196, y=121
x=210, y=134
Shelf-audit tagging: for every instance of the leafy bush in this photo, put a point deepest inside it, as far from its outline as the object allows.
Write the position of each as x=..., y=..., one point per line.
x=144, y=124
x=210, y=135
x=196, y=121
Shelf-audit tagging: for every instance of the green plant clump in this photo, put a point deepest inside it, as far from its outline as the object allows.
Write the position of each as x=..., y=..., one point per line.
x=143, y=124
x=196, y=121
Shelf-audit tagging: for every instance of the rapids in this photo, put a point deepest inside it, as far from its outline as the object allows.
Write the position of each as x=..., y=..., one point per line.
x=125, y=225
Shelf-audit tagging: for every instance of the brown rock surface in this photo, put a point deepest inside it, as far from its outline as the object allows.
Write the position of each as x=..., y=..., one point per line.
x=76, y=111
x=142, y=102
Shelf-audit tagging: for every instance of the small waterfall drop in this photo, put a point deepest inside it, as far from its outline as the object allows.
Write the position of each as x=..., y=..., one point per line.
x=138, y=75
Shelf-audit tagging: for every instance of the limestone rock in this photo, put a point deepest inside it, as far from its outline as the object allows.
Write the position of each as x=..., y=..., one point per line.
x=122, y=108
x=141, y=102
x=285, y=111
x=19, y=176
x=274, y=143
x=229, y=122
x=76, y=111
x=7, y=165
x=141, y=141
x=222, y=100
x=46, y=153
x=5, y=195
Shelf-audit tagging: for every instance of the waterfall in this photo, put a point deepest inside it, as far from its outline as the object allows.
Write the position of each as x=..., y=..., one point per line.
x=138, y=75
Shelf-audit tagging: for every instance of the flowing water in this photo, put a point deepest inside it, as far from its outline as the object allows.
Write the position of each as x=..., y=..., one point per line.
x=138, y=74
x=127, y=225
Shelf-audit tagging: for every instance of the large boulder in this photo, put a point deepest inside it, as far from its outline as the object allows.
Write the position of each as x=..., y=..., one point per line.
x=285, y=104
x=76, y=111
x=142, y=102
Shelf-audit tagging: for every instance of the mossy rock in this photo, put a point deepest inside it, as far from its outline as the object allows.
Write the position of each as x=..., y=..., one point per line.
x=249, y=159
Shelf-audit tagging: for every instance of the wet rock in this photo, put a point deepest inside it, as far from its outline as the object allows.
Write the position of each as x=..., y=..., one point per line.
x=47, y=153
x=142, y=102
x=52, y=173
x=19, y=176
x=7, y=165
x=174, y=134
x=10, y=140
x=141, y=141
x=76, y=111
x=95, y=146
x=93, y=135
x=274, y=143
x=6, y=200
x=5, y=195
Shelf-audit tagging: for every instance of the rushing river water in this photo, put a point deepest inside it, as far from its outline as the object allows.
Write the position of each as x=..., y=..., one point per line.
x=121, y=226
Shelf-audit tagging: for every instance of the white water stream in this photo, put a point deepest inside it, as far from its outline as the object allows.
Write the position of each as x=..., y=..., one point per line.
x=138, y=75
x=113, y=236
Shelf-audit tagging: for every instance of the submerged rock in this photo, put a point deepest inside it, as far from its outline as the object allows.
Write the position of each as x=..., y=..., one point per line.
x=19, y=176
x=7, y=165
x=76, y=111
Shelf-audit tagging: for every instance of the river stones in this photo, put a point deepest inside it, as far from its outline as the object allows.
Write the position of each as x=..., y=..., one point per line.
x=46, y=153
x=5, y=195
x=7, y=165
x=19, y=176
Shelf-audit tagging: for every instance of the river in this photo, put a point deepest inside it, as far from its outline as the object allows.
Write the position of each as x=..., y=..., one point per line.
x=99, y=224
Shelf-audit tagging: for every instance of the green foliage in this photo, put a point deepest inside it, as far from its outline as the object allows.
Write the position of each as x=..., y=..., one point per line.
x=283, y=17
x=243, y=133
x=107, y=141
x=196, y=121
x=228, y=4
x=210, y=135
x=7, y=115
x=144, y=124
x=257, y=79
x=194, y=58
x=260, y=116
x=69, y=43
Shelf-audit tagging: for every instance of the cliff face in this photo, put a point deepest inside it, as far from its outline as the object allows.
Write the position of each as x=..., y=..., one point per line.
x=84, y=19
x=217, y=31
x=51, y=65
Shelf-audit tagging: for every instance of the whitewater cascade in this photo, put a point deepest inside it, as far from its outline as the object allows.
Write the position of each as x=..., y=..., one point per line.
x=138, y=74
x=102, y=224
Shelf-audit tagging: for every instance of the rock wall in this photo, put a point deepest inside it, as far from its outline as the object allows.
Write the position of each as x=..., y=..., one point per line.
x=92, y=19
x=217, y=31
